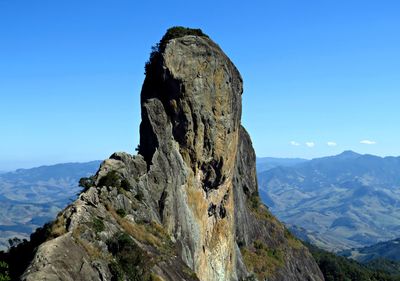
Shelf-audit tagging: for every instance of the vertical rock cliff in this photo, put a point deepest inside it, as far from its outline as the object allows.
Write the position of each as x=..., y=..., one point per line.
x=186, y=207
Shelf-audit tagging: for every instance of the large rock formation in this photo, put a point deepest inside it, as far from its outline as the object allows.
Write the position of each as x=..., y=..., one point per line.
x=187, y=206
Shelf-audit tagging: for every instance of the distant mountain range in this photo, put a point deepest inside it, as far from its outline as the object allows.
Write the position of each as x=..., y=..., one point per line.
x=388, y=250
x=31, y=197
x=323, y=241
x=338, y=202
x=344, y=201
x=383, y=256
x=267, y=163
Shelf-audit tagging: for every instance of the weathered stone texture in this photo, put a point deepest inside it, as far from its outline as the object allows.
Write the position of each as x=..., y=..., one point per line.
x=189, y=198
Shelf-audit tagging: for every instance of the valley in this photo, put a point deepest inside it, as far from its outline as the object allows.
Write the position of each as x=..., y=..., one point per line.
x=31, y=197
x=344, y=201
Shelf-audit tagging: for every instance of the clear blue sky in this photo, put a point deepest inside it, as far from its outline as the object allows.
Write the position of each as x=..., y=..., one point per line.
x=314, y=72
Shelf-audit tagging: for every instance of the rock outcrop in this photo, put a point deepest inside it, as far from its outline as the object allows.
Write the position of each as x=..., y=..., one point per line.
x=186, y=207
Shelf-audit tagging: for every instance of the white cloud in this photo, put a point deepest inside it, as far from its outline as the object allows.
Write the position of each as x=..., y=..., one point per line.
x=368, y=142
x=294, y=143
x=310, y=144
x=331, y=143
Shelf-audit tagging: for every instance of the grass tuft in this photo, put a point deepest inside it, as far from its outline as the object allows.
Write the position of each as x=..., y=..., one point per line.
x=261, y=260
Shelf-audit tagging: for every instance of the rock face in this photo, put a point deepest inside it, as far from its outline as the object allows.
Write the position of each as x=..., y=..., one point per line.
x=187, y=206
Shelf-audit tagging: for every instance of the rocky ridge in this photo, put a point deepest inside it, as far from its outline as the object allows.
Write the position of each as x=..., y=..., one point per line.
x=186, y=207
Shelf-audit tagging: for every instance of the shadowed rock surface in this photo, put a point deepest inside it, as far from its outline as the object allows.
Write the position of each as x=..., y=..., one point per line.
x=187, y=206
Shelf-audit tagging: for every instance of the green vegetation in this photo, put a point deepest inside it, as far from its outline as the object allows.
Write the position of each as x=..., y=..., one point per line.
x=19, y=256
x=389, y=266
x=86, y=183
x=131, y=262
x=139, y=195
x=121, y=213
x=254, y=201
x=113, y=178
x=261, y=260
x=98, y=225
x=172, y=33
x=258, y=208
x=116, y=272
x=4, y=271
x=177, y=32
x=190, y=273
x=293, y=241
x=385, y=250
x=125, y=185
x=337, y=268
x=150, y=233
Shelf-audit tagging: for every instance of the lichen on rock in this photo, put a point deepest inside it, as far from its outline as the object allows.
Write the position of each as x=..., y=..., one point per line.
x=188, y=203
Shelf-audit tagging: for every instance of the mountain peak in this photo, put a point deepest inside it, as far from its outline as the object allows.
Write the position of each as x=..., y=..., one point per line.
x=348, y=154
x=187, y=206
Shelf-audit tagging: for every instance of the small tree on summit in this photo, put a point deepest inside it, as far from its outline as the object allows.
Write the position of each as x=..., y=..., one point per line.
x=172, y=33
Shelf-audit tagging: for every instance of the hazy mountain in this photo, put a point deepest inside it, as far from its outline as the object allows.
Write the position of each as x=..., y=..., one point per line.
x=376, y=262
x=350, y=200
x=336, y=267
x=315, y=238
x=388, y=250
x=31, y=197
x=267, y=163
